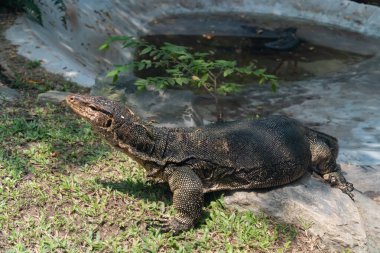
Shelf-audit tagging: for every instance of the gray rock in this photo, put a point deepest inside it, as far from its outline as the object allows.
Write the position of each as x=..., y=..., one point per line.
x=325, y=212
x=370, y=217
x=365, y=179
x=104, y=86
x=52, y=96
x=8, y=94
x=169, y=108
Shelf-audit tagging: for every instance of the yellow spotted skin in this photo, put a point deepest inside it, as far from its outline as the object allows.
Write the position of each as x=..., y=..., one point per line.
x=247, y=154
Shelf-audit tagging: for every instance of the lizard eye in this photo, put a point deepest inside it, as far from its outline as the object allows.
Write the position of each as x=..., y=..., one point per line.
x=93, y=108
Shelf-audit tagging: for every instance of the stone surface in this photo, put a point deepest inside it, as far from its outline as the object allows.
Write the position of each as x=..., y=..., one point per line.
x=8, y=94
x=324, y=212
x=365, y=178
x=370, y=217
x=164, y=107
x=52, y=96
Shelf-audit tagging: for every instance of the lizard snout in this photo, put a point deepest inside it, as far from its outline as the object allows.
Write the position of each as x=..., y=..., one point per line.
x=71, y=99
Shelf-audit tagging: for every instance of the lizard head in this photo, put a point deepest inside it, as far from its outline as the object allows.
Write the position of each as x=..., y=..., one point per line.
x=100, y=112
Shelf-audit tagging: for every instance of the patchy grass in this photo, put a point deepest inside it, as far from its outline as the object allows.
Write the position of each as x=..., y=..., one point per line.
x=64, y=190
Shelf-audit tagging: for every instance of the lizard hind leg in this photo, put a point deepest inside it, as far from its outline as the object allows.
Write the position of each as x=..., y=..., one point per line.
x=336, y=179
x=324, y=154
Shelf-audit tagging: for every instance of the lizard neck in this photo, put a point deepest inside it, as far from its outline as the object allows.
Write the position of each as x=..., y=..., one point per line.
x=137, y=139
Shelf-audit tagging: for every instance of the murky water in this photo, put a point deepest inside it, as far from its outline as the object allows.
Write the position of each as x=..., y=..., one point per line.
x=305, y=61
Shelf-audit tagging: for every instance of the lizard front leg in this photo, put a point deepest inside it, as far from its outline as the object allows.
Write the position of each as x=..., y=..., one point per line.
x=187, y=200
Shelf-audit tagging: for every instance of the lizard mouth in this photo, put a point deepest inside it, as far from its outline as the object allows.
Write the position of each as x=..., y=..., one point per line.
x=82, y=107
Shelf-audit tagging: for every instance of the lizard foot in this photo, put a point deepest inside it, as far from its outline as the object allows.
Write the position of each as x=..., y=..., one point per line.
x=337, y=180
x=167, y=224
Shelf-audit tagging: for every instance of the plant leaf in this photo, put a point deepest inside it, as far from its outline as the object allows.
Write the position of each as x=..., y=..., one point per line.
x=141, y=84
x=140, y=65
x=146, y=50
x=259, y=72
x=204, y=78
x=104, y=46
x=228, y=72
x=274, y=85
x=113, y=73
x=229, y=88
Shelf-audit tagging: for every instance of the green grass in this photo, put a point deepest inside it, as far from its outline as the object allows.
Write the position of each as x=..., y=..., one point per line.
x=62, y=189
x=33, y=64
x=40, y=83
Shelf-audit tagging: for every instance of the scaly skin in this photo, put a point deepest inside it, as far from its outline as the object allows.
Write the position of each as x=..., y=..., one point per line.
x=248, y=154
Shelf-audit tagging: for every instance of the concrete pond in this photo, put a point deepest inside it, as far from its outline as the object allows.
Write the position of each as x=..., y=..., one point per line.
x=334, y=88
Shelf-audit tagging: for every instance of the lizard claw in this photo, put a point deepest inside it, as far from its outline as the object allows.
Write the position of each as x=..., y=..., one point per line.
x=337, y=180
x=348, y=192
x=167, y=224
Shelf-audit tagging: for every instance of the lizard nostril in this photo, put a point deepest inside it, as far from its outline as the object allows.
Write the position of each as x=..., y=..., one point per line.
x=70, y=98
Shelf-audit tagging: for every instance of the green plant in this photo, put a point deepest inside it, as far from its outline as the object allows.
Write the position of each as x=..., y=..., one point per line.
x=33, y=64
x=183, y=67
